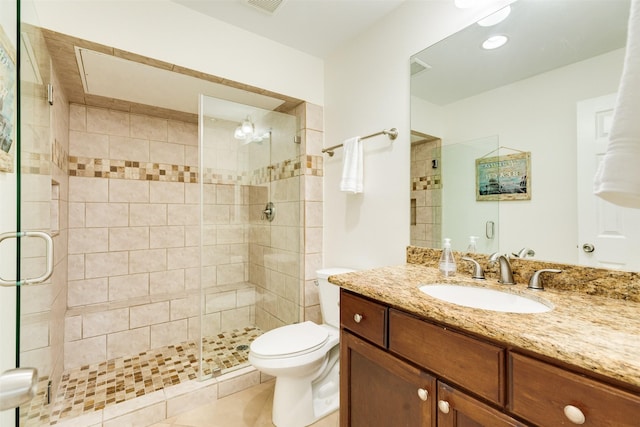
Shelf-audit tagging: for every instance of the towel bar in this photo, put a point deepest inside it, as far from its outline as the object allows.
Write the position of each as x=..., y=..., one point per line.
x=392, y=133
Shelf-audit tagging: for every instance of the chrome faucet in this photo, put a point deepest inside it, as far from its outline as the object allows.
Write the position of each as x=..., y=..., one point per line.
x=524, y=252
x=506, y=276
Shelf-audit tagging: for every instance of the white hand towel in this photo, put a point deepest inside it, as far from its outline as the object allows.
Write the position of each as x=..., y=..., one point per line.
x=618, y=177
x=352, y=166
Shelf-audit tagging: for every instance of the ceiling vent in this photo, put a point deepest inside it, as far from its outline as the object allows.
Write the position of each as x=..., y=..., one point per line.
x=266, y=6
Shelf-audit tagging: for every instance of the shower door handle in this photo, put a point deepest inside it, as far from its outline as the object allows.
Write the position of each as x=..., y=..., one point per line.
x=49, y=257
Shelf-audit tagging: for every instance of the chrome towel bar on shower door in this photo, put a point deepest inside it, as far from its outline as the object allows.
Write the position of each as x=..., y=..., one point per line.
x=392, y=133
x=49, y=257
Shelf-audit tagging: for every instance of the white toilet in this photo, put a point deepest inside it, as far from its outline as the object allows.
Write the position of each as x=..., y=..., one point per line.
x=304, y=359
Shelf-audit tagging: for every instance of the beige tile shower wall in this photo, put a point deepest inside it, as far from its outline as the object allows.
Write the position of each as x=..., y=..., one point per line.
x=311, y=194
x=285, y=254
x=133, y=264
x=426, y=194
x=44, y=207
x=275, y=257
x=228, y=299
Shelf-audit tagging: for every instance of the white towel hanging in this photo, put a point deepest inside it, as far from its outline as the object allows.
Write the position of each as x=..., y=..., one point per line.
x=352, y=166
x=618, y=177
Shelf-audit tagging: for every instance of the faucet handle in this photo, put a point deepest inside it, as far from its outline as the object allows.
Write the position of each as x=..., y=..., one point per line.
x=536, y=282
x=496, y=256
x=478, y=272
x=524, y=252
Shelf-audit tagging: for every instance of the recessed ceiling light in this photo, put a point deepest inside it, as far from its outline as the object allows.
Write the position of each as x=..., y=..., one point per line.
x=496, y=17
x=494, y=42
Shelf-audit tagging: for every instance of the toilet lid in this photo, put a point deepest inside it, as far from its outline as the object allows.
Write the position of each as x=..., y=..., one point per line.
x=290, y=340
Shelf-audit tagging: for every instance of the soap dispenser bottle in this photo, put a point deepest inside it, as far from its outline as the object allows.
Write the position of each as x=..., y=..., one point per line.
x=447, y=264
x=473, y=245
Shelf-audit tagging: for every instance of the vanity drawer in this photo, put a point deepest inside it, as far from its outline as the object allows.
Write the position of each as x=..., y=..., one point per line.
x=460, y=359
x=364, y=318
x=541, y=392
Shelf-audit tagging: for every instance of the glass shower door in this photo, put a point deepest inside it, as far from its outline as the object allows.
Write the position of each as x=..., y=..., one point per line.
x=26, y=228
x=250, y=229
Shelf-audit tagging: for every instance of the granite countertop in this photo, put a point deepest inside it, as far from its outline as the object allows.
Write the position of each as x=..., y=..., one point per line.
x=596, y=333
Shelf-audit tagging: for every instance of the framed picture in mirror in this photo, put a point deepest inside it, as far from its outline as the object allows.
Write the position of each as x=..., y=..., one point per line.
x=7, y=102
x=506, y=177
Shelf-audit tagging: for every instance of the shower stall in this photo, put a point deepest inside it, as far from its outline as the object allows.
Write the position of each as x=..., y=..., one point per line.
x=250, y=242
x=176, y=242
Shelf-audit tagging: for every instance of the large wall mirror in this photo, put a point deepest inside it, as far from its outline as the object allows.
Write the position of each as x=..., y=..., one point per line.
x=547, y=95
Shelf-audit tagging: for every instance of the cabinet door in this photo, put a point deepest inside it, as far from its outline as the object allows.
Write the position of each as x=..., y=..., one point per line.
x=376, y=389
x=456, y=409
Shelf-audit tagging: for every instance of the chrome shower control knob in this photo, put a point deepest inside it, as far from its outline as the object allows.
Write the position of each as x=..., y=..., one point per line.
x=443, y=405
x=574, y=414
x=357, y=318
x=423, y=394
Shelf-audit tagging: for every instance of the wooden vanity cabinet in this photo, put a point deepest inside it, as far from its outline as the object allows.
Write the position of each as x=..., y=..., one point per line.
x=378, y=390
x=391, y=361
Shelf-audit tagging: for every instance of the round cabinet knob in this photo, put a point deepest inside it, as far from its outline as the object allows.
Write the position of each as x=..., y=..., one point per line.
x=423, y=394
x=443, y=405
x=357, y=318
x=574, y=414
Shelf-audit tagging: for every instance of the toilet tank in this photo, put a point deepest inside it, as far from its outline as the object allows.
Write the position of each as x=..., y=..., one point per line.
x=330, y=295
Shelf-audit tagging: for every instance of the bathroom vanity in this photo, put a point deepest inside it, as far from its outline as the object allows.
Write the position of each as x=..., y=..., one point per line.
x=408, y=359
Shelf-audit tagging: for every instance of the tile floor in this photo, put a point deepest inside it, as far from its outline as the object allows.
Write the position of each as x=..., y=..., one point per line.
x=92, y=388
x=248, y=408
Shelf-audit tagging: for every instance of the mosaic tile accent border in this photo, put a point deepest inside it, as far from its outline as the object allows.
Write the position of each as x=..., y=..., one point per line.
x=314, y=165
x=305, y=165
x=148, y=171
x=433, y=182
x=126, y=169
x=94, y=387
x=212, y=176
x=35, y=163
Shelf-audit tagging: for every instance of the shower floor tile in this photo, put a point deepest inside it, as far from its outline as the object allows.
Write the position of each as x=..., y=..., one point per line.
x=94, y=387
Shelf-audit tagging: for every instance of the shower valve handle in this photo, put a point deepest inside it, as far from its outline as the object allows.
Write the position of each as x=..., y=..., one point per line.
x=268, y=212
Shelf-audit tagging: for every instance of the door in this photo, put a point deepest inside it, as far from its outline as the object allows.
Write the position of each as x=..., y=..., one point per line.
x=608, y=235
x=8, y=211
x=26, y=247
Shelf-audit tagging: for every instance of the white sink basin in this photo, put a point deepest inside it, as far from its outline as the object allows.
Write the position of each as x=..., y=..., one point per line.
x=484, y=298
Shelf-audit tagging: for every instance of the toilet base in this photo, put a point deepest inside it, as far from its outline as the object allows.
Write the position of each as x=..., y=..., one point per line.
x=297, y=403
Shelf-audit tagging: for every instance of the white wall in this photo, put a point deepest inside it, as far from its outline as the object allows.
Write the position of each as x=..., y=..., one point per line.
x=367, y=89
x=167, y=31
x=7, y=223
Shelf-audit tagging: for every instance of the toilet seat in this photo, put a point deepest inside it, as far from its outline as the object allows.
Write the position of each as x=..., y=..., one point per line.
x=290, y=341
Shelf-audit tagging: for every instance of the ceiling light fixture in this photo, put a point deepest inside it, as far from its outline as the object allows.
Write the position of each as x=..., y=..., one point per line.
x=495, y=18
x=494, y=42
x=245, y=129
